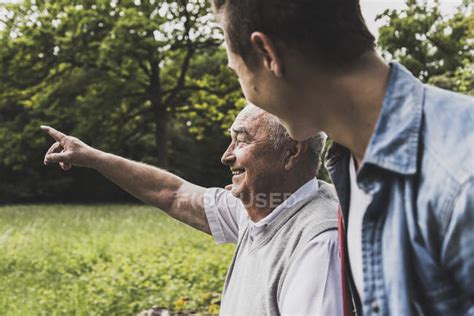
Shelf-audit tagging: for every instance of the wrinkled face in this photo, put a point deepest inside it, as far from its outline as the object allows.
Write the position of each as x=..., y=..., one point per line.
x=257, y=167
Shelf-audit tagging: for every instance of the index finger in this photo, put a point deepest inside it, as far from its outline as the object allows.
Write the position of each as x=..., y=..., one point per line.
x=57, y=135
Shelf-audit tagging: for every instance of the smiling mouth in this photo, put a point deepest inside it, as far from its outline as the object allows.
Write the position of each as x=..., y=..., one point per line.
x=236, y=172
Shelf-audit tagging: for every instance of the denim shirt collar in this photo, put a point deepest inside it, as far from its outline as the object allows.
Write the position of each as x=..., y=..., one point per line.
x=394, y=143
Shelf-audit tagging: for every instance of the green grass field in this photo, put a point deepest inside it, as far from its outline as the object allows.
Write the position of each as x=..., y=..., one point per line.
x=105, y=260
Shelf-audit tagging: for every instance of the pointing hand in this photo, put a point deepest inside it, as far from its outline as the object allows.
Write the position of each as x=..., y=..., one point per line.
x=68, y=151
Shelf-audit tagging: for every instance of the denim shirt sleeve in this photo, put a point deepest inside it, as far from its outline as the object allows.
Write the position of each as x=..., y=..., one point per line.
x=457, y=248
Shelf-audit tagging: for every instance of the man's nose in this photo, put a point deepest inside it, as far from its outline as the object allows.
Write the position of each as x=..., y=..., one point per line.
x=228, y=157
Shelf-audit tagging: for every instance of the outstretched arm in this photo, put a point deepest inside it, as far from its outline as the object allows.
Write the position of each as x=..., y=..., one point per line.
x=177, y=197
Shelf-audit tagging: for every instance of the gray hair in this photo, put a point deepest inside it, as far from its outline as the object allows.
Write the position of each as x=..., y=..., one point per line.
x=280, y=138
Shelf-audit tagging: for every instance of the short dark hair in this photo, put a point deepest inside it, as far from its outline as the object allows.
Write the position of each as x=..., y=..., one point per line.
x=333, y=30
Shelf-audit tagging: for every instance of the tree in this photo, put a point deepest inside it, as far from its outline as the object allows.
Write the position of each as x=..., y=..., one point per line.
x=435, y=49
x=118, y=74
x=123, y=65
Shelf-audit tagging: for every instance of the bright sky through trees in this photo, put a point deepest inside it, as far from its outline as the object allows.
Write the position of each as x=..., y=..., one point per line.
x=370, y=9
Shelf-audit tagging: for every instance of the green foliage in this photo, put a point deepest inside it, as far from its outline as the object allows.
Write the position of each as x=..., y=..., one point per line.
x=109, y=68
x=436, y=49
x=462, y=80
x=218, y=104
x=105, y=260
x=120, y=75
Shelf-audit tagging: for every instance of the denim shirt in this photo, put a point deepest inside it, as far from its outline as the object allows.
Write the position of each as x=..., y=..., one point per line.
x=418, y=231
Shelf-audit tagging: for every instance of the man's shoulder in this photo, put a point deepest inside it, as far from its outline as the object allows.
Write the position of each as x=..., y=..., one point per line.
x=445, y=159
x=324, y=203
x=319, y=214
x=434, y=95
x=447, y=108
x=447, y=134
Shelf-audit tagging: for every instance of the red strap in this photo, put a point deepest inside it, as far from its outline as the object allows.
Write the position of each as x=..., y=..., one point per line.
x=340, y=228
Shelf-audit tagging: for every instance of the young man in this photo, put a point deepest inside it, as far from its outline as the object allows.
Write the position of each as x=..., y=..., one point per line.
x=402, y=161
x=283, y=220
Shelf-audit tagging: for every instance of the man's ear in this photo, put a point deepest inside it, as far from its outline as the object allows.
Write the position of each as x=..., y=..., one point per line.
x=294, y=153
x=267, y=50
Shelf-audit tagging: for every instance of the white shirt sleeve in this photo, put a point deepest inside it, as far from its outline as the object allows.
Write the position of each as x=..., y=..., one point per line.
x=225, y=214
x=313, y=283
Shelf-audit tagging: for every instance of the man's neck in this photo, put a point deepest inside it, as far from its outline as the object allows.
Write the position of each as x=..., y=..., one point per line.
x=261, y=207
x=256, y=214
x=347, y=105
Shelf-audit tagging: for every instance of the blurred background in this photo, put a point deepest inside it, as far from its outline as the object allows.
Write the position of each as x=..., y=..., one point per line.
x=143, y=79
x=147, y=80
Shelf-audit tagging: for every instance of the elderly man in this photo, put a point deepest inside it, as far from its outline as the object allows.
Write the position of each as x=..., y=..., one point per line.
x=281, y=217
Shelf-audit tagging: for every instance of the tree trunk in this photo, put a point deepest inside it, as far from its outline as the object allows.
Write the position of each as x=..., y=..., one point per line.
x=161, y=135
x=160, y=116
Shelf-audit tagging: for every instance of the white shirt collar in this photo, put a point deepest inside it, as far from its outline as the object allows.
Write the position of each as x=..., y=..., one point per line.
x=304, y=193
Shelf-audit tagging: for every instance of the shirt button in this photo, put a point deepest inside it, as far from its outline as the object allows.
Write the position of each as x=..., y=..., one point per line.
x=375, y=306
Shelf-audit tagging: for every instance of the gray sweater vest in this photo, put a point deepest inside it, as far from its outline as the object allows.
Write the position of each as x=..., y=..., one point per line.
x=259, y=266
